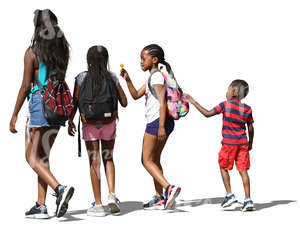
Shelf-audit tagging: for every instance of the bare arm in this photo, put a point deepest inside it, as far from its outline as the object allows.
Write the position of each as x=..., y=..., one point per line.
x=205, y=112
x=251, y=135
x=71, y=127
x=136, y=94
x=159, y=89
x=24, y=89
x=121, y=96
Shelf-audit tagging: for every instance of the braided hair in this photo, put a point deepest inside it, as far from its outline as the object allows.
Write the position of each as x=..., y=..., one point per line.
x=156, y=51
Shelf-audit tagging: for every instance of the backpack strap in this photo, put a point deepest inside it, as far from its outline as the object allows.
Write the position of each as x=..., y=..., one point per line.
x=152, y=90
x=79, y=138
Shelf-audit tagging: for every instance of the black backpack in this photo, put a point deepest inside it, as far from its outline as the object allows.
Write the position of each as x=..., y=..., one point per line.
x=103, y=106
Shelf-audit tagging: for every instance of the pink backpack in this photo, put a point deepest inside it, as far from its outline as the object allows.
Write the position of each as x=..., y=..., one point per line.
x=177, y=106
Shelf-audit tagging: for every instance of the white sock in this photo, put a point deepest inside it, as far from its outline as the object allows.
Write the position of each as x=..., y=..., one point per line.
x=229, y=194
x=247, y=199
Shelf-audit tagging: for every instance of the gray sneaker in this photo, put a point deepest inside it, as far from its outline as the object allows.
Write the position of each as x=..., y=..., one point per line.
x=96, y=211
x=37, y=212
x=114, y=204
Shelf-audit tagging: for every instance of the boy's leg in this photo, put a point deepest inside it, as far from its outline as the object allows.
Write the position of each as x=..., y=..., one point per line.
x=226, y=161
x=246, y=182
x=242, y=165
x=226, y=180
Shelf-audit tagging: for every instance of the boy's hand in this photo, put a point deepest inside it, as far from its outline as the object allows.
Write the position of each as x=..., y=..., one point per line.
x=188, y=97
x=249, y=146
x=124, y=74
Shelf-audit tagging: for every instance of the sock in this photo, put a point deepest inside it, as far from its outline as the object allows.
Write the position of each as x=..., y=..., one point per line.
x=247, y=199
x=229, y=194
x=38, y=205
x=57, y=189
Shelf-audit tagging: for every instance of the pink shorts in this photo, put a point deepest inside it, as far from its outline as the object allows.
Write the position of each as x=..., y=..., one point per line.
x=101, y=132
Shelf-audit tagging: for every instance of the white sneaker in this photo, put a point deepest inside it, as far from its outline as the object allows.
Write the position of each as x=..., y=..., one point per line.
x=248, y=206
x=228, y=201
x=171, y=193
x=97, y=210
x=114, y=204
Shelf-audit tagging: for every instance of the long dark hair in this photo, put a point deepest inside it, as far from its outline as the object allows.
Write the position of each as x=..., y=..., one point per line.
x=156, y=51
x=49, y=42
x=97, y=59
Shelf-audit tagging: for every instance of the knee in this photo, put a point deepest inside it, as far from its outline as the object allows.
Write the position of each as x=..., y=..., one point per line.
x=107, y=156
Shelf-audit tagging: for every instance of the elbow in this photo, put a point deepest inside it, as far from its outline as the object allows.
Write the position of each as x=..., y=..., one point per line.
x=207, y=115
x=26, y=88
x=124, y=103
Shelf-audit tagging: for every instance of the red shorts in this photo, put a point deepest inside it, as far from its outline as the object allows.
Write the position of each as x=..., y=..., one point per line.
x=238, y=153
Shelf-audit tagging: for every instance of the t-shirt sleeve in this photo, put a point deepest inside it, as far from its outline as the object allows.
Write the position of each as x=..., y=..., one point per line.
x=157, y=78
x=79, y=79
x=250, y=118
x=220, y=108
x=115, y=78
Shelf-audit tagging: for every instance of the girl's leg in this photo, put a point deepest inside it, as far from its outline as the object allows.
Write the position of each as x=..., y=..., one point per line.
x=44, y=156
x=148, y=159
x=158, y=150
x=94, y=159
x=38, y=146
x=107, y=157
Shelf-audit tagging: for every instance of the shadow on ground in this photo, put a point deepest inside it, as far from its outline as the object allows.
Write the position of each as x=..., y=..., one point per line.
x=132, y=206
x=261, y=206
x=126, y=208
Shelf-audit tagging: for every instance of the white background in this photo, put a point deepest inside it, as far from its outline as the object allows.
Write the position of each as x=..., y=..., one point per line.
x=208, y=44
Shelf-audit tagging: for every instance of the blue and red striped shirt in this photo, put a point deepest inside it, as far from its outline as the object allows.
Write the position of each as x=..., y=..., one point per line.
x=235, y=117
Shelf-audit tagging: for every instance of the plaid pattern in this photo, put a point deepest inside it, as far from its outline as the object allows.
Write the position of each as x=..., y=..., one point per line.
x=52, y=97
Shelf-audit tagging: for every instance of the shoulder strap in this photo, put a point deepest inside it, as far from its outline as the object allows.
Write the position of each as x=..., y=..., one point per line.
x=149, y=84
x=42, y=91
x=79, y=138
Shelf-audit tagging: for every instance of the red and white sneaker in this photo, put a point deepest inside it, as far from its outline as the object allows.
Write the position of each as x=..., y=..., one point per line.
x=171, y=193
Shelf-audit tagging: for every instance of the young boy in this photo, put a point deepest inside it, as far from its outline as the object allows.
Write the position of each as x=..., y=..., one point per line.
x=235, y=145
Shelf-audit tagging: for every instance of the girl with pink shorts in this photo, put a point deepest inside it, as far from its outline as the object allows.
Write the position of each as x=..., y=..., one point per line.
x=103, y=131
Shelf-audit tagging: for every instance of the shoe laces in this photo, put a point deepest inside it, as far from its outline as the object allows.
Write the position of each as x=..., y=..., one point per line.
x=55, y=194
x=114, y=197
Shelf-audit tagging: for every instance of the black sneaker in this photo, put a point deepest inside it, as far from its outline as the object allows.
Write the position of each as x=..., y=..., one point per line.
x=63, y=197
x=37, y=212
x=228, y=201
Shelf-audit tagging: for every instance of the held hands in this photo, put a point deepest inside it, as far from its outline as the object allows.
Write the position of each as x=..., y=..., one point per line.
x=12, y=124
x=71, y=128
x=188, y=98
x=161, y=134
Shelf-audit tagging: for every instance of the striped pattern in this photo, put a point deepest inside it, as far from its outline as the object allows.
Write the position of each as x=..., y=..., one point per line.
x=235, y=116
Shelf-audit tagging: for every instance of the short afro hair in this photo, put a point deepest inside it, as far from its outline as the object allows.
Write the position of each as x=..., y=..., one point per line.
x=241, y=87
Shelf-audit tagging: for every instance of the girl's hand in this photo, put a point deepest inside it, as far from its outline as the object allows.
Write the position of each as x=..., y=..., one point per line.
x=124, y=74
x=188, y=97
x=12, y=124
x=162, y=134
x=71, y=128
